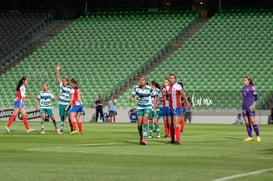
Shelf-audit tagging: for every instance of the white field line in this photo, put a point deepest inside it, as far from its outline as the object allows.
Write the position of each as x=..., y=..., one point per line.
x=243, y=174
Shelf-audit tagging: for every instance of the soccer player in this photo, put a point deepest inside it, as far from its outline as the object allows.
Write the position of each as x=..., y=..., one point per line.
x=19, y=106
x=112, y=109
x=44, y=99
x=183, y=109
x=250, y=98
x=174, y=91
x=165, y=108
x=155, y=116
x=144, y=94
x=99, y=108
x=64, y=100
x=188, y=112
x=75, y=101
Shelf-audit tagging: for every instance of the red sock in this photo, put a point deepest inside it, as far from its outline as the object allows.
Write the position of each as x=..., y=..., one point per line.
x=74, y=125
x=11, y=120
x=182, y=124
x=114, y=120
x=172, y=134
x=26, y=123
x=177, y=134
x=110, y=120
x=80, y=126
x=167, y=129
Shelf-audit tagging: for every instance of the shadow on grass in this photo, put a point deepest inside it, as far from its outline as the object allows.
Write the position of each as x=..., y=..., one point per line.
x=268, y=151
x=234, y=138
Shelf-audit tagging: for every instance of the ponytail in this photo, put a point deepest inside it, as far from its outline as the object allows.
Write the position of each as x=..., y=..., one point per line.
x=21, y=81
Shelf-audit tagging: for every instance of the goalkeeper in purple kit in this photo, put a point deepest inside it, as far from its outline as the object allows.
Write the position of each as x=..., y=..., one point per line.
x=250, y=98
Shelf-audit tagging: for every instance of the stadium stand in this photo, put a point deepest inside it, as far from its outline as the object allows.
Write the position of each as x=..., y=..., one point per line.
x=101, y=50
x=212, y=63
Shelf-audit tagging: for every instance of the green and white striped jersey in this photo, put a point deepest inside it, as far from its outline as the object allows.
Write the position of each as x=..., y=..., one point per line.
x=64, y=94
x=158, y=95
x=45, y=99
x=144, y=97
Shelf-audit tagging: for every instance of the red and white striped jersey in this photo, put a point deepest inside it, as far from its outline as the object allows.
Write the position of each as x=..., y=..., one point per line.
x=77, y=96
x=21, y=93
x=166, y=102
x=174, y=95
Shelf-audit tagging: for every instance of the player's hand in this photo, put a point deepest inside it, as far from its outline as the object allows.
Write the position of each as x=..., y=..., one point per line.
x=24, y=100
x=154, y=112
x=131, y=99
x=66, y=108
x=58, y=67
x=252, y=108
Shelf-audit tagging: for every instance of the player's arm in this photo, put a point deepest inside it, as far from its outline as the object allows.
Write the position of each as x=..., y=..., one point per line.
x=155, y=105
x=58, y=73
x=37, y=103
x=57, y=98
x=132, y=98
x=255, y=99
x=70, y=102
x=182, y=93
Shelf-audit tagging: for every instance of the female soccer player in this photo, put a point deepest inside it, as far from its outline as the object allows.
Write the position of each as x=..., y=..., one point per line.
x=75, y=101
x=183, y=109
x=144, y=94
x=64, y=100
x=18, y=104
x=250, y=98
x=165, y=108
x=112, y=109
x=174, y=91
x=155, y=116
x=44, y=98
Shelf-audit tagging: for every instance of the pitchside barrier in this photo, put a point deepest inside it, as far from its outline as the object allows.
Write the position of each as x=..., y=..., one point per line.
x=198, y=116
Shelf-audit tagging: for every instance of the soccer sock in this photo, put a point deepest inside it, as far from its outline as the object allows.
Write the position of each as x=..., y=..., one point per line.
x=256, y=129
x=80, y=126
x=140, y=131
x=249, y=130
x=11, y=120
x=114, y=120
x=145, y=131
x=177, y=134
x=74, y=125
x=157, y=130
x=70, y=124
x=110, y=120
x=42, y=125
x=62, y=125
x=55, y=124
x=182, y=124
x=167, y=129
x=172, y=134
x=151, y=130
x=26, y=123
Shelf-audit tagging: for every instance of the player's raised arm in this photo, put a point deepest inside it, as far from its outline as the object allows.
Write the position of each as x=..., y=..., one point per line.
x=58, y=73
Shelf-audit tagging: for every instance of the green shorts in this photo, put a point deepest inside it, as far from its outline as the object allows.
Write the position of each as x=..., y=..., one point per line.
x=62, y=110
x=48, y=111
x=157, y=115
x=141, y=112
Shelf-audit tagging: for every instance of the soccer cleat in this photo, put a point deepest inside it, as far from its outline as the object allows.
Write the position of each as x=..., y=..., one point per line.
x=74, y=132
x=144, y=142
x=81, y=132
x=181, y=131
x=176, y=143
x=248, y=139
x=169, y=142
x=42, y=132
x=7, y=129
x=61, y=132
x=158, y=136
x=258, y=139
x=150, y=137
x=30, y=130
x=166, y=136
x=58, y=131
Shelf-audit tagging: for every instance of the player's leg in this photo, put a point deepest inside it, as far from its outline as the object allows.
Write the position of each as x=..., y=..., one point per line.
x=97, y=115
x=62, y=116
x=55, y=123
x=165, y=119
x=42, y=124
x=190, y=117
x=176, y=119
x=182, y=122
x=78, y=117
x=145, y=125
x=151, y=125
x=114, y=117
x=24, y=115
x=72, y=117
x=255, y=127
x=171, y=129
x=157, y=127
x=248, y=126
x=69, y=119
x=140, y=114
x=11, y=119
x=101, y=114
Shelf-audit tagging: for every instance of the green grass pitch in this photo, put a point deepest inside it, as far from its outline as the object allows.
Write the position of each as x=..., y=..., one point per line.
x=111, y=152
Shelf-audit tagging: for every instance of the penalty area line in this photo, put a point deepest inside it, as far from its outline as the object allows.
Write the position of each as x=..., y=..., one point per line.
x=243, y=174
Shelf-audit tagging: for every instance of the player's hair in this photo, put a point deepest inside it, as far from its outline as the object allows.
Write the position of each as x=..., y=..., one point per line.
x=172, y=74
x=250, y=80
x=143, y=77
x=239, y=114
x=154, y=83
x=163, y=86
x=66, y=79
x=73, y=81
x=21, y=81
x=45, y=83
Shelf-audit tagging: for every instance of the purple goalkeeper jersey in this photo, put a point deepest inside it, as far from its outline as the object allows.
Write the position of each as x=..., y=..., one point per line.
x=250, y=95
